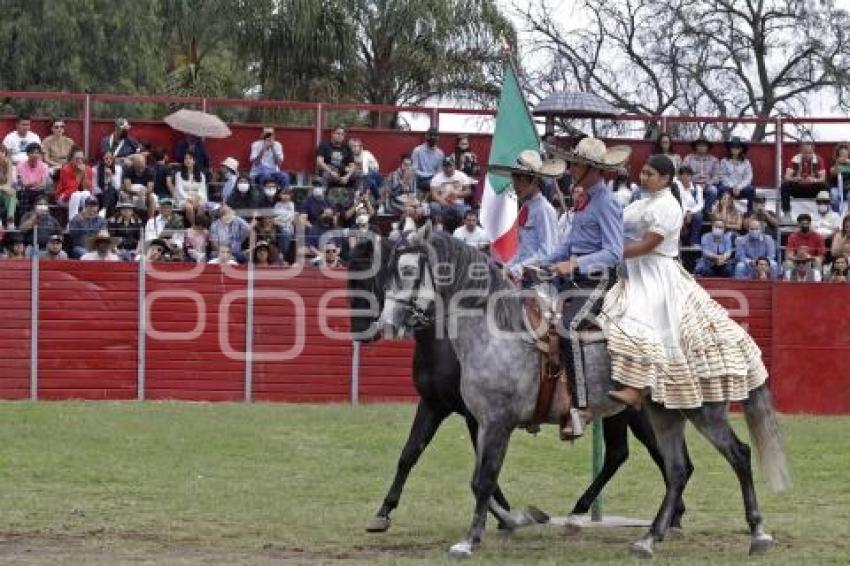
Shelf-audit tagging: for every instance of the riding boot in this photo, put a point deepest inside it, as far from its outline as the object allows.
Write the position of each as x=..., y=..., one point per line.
x=631, y=396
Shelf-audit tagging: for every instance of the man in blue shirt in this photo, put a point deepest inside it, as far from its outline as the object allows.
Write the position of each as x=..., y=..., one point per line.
x=427, y=159
x=748, y=249
x=537, y=221
x=587, y=258
x=716, y=260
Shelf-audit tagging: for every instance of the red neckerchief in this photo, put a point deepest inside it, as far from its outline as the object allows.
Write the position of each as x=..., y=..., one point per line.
x=581, y=202
x=522, y=218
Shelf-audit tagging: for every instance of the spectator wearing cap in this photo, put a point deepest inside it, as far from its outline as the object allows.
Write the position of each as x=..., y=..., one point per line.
x=804, y=242
x=39, y=224
x=706, y=169
x=20, y=138
x=229, y=230
x=449, y=189
x=8, y=191
x=119, y=143
x=693, y=205
x=330, y=256
x=470, y=233
x=805, y=175
x=804, y=268
x=264, y=254
x=825, y=221
x=87, y=223
x=57, y=146
x=76, y=183
x=427, y=159
x=228, y=174
x=736, y=172
x=128, y=228
x=165, y=225
x=53, y=250
x=334, y=160
x=14, y=244
x=752, y=246
x=34, y=177
x=840, y=174
x=190, y=143
x=759, y=212
x=716, y=260
x=101, y=247
x=265, y=229
x=266, y=159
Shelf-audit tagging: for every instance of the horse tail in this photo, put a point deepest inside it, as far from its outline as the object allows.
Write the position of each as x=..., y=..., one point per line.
x=766, y=437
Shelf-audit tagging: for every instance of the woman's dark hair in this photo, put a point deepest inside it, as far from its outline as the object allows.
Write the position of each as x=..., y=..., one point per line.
x=657, y=149
x=844, y=220
x=195, y=173
x=664, y=165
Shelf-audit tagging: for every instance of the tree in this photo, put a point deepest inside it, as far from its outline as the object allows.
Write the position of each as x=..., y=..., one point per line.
x=733, y=58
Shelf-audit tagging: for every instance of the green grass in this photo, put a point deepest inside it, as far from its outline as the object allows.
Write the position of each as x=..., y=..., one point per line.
x=197, y=483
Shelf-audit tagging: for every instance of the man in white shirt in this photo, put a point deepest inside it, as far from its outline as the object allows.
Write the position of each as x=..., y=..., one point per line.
x=101, y=247
x=471, y=233
x=825, y=221
x=367, y=165
x=693, y=204
x=17, y=140
x=266, y=159
x=449, y=188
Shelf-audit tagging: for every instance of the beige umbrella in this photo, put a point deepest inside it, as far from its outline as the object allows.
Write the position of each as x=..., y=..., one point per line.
x=198, y=124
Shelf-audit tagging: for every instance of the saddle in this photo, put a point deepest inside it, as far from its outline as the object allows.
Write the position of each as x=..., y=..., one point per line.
x=542, y=317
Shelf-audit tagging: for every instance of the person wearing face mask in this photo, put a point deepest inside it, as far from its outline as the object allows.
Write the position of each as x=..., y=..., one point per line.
x=41, y=221
x=231, y=231
x=752, y=246
x=716, y=260
x=313, y=234
x=228, y=175
x=312, y=206
x=360, y=232
x=825, y=221
x=247, y=200
x=804, y=242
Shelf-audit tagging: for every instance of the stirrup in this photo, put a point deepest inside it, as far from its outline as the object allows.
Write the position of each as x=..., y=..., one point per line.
x=575, y=428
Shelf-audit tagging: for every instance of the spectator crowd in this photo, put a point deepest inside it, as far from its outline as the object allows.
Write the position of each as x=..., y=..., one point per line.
x=175, y=204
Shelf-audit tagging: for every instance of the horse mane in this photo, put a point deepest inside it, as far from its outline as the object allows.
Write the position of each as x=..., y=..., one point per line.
x=466, y=260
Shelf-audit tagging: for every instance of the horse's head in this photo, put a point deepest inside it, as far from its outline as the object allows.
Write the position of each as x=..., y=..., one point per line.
x=409, y=292
x=366, y=271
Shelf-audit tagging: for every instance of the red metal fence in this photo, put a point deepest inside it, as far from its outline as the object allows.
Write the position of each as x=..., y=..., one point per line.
x=212, y=334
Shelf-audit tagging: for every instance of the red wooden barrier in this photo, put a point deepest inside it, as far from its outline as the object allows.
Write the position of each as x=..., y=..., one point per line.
x=15, y=334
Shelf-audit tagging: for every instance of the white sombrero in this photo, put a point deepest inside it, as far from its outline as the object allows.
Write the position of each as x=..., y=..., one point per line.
x=592, y=151
x=529, y=162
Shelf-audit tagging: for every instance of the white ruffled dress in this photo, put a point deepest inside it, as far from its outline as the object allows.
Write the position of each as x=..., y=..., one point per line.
x=664, y=331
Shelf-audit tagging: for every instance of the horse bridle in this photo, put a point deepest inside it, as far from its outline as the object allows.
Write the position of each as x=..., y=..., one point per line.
x=416, y=313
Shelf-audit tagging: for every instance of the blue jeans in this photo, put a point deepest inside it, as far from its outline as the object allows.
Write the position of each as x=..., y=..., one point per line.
x=279, y=177
x=835, y=198
x=748, y=192
x=695, y=229
x=706, y=268
x=458, y=209
x=710, y=194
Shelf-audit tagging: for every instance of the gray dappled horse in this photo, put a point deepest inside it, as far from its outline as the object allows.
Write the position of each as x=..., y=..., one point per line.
x=435, y=276
x=436, y=377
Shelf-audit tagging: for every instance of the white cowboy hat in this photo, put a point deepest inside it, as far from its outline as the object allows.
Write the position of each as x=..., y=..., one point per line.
x=231, y=164
x=592, y=152
x=102, y=235
x=529, y=162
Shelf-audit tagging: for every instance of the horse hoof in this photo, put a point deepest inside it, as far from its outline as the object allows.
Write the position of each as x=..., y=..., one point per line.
x=461, y=550
x=761, y=543
x=642, y=549
x=378, y=524
x=537, y=515
x=573, y=525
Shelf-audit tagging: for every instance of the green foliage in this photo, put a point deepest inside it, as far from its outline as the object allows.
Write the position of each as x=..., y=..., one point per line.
x=375, y=51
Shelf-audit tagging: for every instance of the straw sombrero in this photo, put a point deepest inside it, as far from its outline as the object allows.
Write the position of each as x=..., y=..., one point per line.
x=100, y=236
x=593, y=152
x=529, y=162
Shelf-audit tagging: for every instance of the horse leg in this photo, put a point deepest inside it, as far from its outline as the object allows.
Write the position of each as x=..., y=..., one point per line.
x=711, y=420
x=669, y=429
x=614, y=431
x=642, y=430
x=425, y=425
x=490, y=454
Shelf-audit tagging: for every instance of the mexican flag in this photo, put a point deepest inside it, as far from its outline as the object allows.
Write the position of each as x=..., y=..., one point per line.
x=514, y=133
